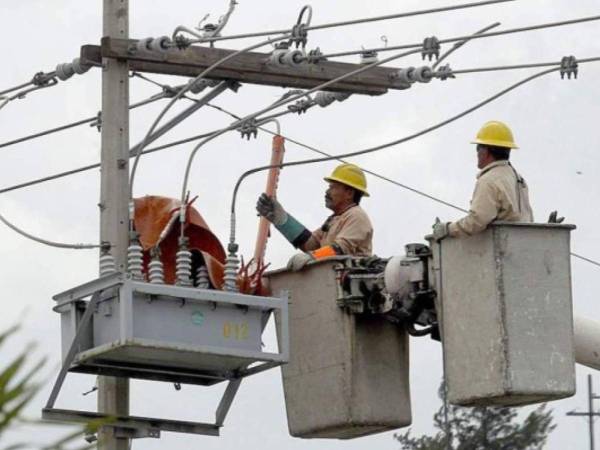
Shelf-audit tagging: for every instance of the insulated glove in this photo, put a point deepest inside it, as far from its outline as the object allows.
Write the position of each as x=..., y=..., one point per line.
x=291, y=229
x=553, y=218
x=298, y=261
x=271, y=209
x=440, y=229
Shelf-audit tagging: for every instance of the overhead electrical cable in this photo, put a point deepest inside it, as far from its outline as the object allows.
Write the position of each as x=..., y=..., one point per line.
x=44, y=241
x=77, y=123
x=389, y=144
x=277, y=104
x=458, y=45
x=182, y=92
x=461, y=38
x=357, y=21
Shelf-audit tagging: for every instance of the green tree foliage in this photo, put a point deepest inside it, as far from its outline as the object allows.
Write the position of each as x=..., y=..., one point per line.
x=19, y=383
x=483, y=428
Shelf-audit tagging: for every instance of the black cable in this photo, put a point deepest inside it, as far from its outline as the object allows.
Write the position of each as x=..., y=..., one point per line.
x=461, y=38
x=75, y=124
x=95, y=166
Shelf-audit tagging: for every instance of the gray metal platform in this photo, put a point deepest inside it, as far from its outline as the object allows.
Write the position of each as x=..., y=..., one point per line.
x=164, y=333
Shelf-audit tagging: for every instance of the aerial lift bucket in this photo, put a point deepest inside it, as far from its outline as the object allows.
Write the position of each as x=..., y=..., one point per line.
x=348, y=374
x=505, y=310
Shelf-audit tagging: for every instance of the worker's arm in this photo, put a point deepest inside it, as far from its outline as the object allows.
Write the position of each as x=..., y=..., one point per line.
x=296, y=233
x=484, y=209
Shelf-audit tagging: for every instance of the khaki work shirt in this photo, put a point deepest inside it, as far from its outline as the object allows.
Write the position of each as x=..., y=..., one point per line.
x=351, y=231
x=500, y=194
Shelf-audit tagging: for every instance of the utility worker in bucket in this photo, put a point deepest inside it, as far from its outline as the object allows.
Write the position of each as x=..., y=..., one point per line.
x=500, y=192
x=348, y=231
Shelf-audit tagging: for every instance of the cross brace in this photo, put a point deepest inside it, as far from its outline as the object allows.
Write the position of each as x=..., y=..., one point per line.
x=250, y=67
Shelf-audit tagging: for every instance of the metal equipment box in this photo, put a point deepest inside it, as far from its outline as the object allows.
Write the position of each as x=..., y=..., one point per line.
x=348, y=374
x=504, y=299
x=167, y=333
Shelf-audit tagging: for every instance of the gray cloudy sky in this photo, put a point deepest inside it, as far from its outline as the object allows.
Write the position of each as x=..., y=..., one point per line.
x=554, y=122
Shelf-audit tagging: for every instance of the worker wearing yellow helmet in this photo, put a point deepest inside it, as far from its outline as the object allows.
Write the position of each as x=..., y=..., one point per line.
x=348, y=231
x=500, y=192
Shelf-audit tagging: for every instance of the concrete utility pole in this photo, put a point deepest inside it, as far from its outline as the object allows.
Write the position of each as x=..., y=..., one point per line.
x=113, y=393
x=590, y=414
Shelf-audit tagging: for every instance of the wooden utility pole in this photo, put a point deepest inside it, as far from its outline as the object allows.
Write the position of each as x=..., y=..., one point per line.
x=590, y=414
x=113, y=393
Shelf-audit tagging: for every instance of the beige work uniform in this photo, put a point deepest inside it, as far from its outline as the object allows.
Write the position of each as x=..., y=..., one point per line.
x=351, y=231
x=500, y=194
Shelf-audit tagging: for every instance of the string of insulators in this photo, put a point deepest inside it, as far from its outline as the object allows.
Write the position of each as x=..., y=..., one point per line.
x=135, y=258
x=183, y=264
x=156, y=273
x=107, y=261
x=202, y=279
x=232, y=266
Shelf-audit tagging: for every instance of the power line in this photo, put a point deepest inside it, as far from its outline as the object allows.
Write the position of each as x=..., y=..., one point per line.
x=44, y=241
x=356, y=21
x=183, y=91
x=460, y=38
x=96, y=166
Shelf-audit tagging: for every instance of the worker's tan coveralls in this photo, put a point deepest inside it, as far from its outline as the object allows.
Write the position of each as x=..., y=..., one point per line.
x=500, y=194
x=351, y=231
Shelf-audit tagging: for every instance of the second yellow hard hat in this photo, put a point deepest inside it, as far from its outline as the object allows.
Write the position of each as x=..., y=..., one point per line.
x=350, y=175
x=495, y=133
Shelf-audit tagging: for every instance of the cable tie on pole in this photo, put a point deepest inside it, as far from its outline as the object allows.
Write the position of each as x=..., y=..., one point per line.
x=431, y=48
x=568, y=67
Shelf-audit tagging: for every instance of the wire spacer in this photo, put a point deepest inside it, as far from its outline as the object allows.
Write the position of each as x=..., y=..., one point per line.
x=431, y=48
x=248, y=128
x=568, y=66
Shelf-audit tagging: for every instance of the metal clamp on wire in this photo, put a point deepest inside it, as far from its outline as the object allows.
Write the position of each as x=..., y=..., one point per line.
x=368, y=57
x=431, y=48
x=301, y=106
x=41, y=79
x=248, y=129
x=444, y=72
x=315, y=56
x=568, y=67
x=299, y=33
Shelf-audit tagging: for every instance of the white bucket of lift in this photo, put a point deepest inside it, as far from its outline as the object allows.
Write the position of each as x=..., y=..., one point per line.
x=348, y=374
x=505, y=307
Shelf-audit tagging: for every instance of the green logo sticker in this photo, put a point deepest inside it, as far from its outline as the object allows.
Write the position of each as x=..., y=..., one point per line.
x=198, y=318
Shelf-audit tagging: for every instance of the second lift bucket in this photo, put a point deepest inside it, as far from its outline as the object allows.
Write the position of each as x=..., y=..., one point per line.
x=505, y=309
x=348, y=374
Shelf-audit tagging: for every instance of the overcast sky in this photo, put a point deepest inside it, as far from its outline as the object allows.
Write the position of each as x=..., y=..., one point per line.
x=554, y=122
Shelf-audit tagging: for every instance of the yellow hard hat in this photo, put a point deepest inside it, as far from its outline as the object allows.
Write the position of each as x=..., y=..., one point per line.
x=495, y=133
x=350, y=175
